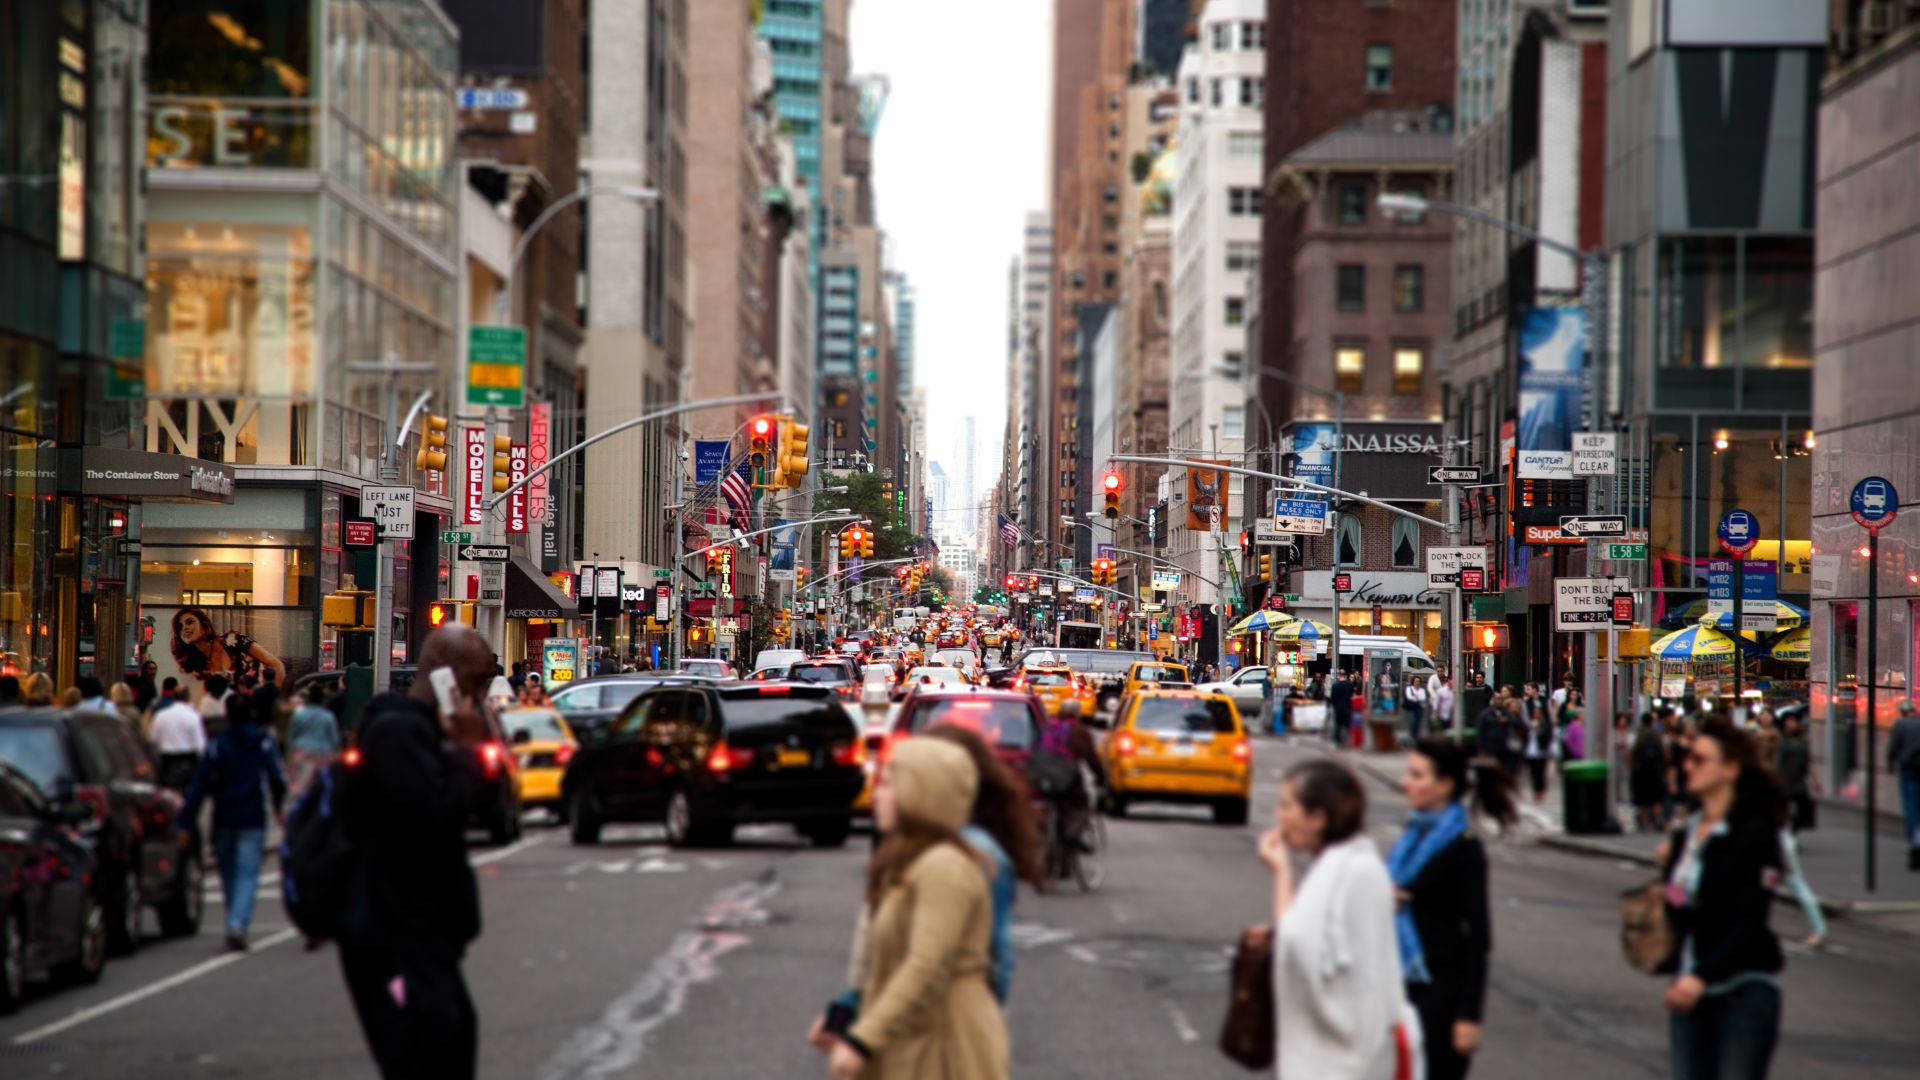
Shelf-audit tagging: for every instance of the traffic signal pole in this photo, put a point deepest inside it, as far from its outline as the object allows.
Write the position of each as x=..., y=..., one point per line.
x=389, y=475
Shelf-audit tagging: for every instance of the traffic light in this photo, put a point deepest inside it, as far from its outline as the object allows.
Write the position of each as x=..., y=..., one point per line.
x=1110, y=483
x=716, y=562
x=760, y=432
x=432, y=455
x=866, y=544
x=502, y=462
x=1103, y=572
x=1266, y=566
x=1487, y=637
x=1012, y=583
x=443, y=612
x=790, y=463
x=855, y=542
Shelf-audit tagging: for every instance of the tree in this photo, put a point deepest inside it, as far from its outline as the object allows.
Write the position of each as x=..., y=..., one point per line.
x=866, y=495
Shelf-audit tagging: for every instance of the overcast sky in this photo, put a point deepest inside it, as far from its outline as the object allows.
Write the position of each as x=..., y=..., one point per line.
x=959, y=160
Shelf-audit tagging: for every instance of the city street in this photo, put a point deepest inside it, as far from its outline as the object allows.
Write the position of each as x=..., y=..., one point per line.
x=630, y=959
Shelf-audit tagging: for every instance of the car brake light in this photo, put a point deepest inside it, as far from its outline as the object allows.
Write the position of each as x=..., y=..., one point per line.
x=1242, y=750
x=1123, y=744
x=350, y=757
x=773, y=691
x=564, y=754
x=846, y=753
x=723, y=758
x=490, y=759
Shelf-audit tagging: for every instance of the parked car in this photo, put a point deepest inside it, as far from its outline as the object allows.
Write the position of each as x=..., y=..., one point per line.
x=703, y=759
x=51, y=924
x=1179, y=746
x=1246, y=687
x=89, y=760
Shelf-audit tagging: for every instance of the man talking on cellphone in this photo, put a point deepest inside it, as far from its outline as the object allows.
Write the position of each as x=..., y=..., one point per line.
x=414, y=906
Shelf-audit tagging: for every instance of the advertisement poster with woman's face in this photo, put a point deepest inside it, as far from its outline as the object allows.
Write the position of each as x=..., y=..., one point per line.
x=192, y=643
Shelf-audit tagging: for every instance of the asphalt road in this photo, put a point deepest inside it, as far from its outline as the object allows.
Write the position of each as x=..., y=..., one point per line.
x=632, y=960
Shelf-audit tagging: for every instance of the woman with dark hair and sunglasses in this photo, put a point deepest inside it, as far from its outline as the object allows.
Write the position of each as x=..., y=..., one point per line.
x=1439, y=873
x=202, y=651
x=1725, y=998
x=1338, y=997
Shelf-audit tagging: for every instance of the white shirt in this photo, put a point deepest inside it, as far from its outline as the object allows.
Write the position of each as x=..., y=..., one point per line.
x=177, y=730
x=1559, y=698
x=1336, y=972
x=1442, y=702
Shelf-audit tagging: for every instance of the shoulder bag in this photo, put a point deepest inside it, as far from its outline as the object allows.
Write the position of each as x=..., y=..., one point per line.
x=1247, y=1034
x=1648, y=937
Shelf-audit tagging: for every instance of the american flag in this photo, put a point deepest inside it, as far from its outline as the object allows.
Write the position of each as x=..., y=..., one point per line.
x=1009, y=532
x=737, y=488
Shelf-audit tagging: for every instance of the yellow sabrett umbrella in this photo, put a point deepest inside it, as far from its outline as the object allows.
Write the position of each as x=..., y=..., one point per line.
x=1794, y=646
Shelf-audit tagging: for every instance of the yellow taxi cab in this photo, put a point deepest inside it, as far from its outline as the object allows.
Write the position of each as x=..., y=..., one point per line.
x=991, y=638
x=1057, y=684
x=543, y=744
x=1152, y=674
x=1179, y=746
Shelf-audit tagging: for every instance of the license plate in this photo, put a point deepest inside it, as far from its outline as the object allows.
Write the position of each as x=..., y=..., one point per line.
x=525, y=759
x=795, y=757
x=1183, y=749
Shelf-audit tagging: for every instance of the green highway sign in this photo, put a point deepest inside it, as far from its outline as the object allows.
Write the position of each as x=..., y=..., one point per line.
x=1290, y=598
x=497, y=366
x=456, y=536
x=1626, y=551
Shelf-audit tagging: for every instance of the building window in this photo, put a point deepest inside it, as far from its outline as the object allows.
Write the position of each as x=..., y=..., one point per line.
x=1242, y=256
x=1351, y=548
x=1379, y=67
x=1406, y=542
x=1350, y=369
x=1214, y=92
x=1233, y=422
x=1410, y=217
x=1409, y=287
x=1222, y=36
x=1409, y=368
x=1253, y=35
x=1243, y=201
x=1236, y=310
x=1253, y=91
x=1243, y=144
x=1350, y=287
x=1109, y=281
x=1352, y=203
x=1235, y=364
x=1193, y=91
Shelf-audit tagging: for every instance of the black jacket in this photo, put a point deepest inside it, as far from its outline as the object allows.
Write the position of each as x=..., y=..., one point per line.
x=407, y=808
x=1728, y=919
x=1340, y=696
x=1449, y=908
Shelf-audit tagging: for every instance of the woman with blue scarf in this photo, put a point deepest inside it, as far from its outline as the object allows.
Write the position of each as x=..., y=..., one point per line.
x=1439, y=873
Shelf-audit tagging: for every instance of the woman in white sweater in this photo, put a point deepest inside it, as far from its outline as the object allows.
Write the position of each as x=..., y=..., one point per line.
x=1338, y=992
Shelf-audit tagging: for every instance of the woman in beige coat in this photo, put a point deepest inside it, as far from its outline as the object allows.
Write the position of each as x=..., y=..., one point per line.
x=925, y=1007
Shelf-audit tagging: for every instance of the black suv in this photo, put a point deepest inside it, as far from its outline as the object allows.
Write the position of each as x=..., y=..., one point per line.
x=839, y=676
x=145, y=859
x=51, y=924
x=704, y=758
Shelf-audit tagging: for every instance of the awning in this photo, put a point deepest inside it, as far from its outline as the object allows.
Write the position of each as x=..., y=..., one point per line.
x=530, y=595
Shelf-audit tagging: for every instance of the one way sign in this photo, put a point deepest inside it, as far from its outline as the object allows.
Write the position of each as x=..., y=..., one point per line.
x=483, y=552
x=1453, y=474
x=1594, y=526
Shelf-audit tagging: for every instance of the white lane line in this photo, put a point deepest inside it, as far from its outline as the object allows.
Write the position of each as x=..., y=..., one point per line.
x=207, y=967
x=1182, y=1026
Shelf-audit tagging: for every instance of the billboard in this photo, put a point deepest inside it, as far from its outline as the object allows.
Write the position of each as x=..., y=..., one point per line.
x=1553, y=377
x=786, y=538
x=1206, y=495
x=1313, y=452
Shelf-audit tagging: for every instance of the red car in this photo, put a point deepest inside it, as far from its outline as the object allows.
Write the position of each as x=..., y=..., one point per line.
x=1009, y=721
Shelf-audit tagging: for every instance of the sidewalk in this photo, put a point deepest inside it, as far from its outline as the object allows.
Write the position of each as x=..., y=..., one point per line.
x=1833, y=855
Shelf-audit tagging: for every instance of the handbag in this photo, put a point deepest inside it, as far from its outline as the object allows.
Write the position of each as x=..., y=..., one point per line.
x=1247, y=1034
x=1647, y=934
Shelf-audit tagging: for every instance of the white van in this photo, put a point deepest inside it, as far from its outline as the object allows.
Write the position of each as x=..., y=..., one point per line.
x=1413, y=659
x=777, y=660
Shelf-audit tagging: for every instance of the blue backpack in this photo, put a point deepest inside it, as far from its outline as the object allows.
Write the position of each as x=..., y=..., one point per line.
x=318, y=860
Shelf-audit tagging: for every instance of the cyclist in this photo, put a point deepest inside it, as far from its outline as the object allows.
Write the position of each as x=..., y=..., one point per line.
x=1065, y=744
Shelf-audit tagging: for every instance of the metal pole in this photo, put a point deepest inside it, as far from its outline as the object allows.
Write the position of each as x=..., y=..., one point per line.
x=383, y=584
x=593, y=610
x=1333, y=518
x=1873, y=667
x=1739, y=607
x=1453, y=610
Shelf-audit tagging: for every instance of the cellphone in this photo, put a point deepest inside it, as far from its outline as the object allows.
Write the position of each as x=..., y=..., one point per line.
x=443, y=683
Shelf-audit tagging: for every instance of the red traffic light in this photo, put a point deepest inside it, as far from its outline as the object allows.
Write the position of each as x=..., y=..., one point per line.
x=438, y=614
x=762, y=427
x=1111, y=481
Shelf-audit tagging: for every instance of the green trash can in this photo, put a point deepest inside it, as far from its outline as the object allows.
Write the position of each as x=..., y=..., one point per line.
x=1583, y=796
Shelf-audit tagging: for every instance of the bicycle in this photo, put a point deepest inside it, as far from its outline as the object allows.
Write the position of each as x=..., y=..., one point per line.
x=1084, y=862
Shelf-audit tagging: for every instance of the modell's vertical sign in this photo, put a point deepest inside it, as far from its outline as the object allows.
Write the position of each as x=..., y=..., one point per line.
x=517, y=502
x=475, y=459
x=539, y=446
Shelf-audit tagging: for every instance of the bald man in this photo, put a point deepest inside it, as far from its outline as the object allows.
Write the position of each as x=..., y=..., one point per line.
x=415, y=907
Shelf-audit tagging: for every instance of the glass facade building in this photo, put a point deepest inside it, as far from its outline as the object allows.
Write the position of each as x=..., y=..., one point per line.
x=302, y=234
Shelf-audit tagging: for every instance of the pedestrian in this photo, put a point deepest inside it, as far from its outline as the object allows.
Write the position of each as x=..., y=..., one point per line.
x=178, y=736
x=1725, y=998
x=1416, y=701
x=1475, y=697
x=1903, y=760
x=241, y=772
x=36, y=690
x=212, y=704
x=313, y=739
x=415, y=906
x=1793, y=764
x=92, y=695
x=1440, y=700
x=145, y=686
x=1561, y=695
x=1537, y=742
x=9, y=691
x=926, y=1008
x=120, y=697
x=1338, y=990
x=1444, y=922
x=1490, y=728
x=1340, y=705
x=1766, y=734
x=70, y=698
x=1573, y=737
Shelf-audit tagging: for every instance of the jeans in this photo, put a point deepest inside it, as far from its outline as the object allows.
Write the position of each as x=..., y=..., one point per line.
x=239, y=852
x=1727, y=1036
x=1910, y=804
x=1416, y=716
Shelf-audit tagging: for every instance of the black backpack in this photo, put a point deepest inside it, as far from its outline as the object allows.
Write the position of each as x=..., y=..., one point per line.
x=318, y=860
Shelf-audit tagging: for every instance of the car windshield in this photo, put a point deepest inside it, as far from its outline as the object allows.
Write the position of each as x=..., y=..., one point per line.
x=1160, y=673
x=818, y=673
x=539, y=724
x=1096, y=661
x=877, y=673
x=956, y=657
x=943, y=675
x=754, y=712
x=1049, y=678
x=1183, y=716
x=1001, y=722
x=34, y=749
